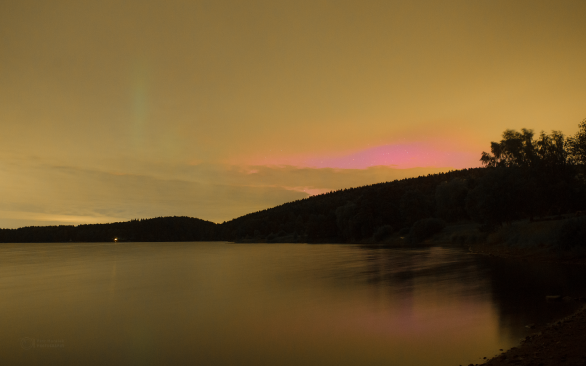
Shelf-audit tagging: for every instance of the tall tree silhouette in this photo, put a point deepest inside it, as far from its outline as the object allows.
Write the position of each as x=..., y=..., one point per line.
x=577, y=145
x=516, y=149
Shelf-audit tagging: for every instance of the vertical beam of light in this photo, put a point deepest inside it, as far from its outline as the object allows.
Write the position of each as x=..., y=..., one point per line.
x=140, y=107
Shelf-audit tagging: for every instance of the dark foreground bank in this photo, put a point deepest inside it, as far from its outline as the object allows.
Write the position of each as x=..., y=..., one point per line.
x=558, y=343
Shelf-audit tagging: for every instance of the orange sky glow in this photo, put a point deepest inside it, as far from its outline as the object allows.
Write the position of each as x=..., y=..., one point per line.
x=213, y=109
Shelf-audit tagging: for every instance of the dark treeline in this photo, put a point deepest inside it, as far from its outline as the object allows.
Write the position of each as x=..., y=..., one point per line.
x=156, y=229
x=355, y=214
x=524, y=176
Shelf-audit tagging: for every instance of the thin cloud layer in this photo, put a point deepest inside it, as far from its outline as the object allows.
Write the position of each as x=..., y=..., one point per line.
x=42, y=194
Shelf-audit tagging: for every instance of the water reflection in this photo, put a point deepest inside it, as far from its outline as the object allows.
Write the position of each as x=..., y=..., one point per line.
x=519, y=288
x=259, y=304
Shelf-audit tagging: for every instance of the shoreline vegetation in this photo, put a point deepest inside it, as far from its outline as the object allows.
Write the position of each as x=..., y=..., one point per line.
x=527, y=202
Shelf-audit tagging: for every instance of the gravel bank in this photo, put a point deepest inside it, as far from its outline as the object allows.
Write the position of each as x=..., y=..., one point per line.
x=562, y=342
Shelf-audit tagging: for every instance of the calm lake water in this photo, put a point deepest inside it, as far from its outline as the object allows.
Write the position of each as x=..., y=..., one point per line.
x=267, y=304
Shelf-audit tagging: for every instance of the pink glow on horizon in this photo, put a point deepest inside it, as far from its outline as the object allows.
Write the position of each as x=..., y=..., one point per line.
x=400, y=156
x=309, y=190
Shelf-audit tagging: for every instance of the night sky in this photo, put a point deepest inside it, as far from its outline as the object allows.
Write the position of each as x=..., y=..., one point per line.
x=114, y=110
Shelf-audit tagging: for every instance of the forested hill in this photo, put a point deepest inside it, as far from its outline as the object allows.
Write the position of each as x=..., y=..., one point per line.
x=155, y=229
x=340, y=216
x=523, y=177
x=488, y=195
x=353, y=214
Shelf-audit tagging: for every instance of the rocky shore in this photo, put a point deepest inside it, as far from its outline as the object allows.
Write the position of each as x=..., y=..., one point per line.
x=559, y=343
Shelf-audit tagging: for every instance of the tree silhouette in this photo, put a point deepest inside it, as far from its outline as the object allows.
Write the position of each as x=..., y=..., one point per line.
x=414, y=206
x=501, y=196
x=516, y=149
x=450, y=200
x=577, y=145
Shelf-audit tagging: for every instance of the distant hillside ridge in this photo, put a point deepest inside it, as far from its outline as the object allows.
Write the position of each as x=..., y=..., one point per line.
x=523, y=177
x=490, y=196
x=345, y=215
x=353, y=214
x=144, y=230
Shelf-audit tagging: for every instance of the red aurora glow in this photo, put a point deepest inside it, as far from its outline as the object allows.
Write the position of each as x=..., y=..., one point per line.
x=400, y=156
